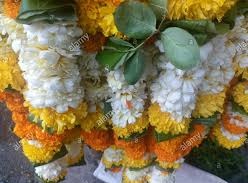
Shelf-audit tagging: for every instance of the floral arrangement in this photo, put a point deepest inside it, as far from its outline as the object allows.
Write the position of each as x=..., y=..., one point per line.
x=144, y=82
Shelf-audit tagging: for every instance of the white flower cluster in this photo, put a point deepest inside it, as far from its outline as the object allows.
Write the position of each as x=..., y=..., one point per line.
x=218, y=64
x=94, y=81
x=49, y=67
x=57, y=169
x=175, y=90
x=239, y=36
x=158, y=176
x=128, y=100
x=53, y=80
x=60, y=36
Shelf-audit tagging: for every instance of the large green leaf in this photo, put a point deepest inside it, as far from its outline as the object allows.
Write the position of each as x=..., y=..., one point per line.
x=46, y=10
x=199, y=26
x=115, y=54
x=181, y=48
x=159, y=7
x=135, y=19
x=134, y=67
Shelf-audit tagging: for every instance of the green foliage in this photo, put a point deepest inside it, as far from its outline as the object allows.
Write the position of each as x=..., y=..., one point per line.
x=215, y=159
x=181, y=48
x=135, y=19
x=115, y=52
x=134, y=68
x=160, y=137
x=159, y=7
x=32, y=11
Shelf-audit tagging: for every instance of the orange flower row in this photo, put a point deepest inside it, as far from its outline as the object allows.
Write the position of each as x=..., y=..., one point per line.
x=98, y=140
x=178, y=147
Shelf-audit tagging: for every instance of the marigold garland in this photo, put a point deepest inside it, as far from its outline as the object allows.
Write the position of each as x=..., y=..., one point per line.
x=240, y=94
x=208, y=104
x=59, y=121
x=39, y=154
x=11, y=8
x=224, y=141
x=134, y=149
x=9, y=69
x=232, y=128
x=137, y=163
x=199, y=9
x=139, y=126
x=97, y=16
x=163, y=122
x=98, y=140
x=167, y=165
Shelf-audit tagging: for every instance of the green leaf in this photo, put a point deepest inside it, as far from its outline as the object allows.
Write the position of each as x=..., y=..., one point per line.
x=159, y=7
x=135, y=136
x=32, y=11
x=112, y=55
x=201, y=38
x=207, y=121
x=160, y=137
x=107, y=107
x=120, y=42
x=230, y=16
x=238, y=108
x=181, y=48
x=135, y=19
x=222, y=28
x=199, y=26
x=124, y=59
x=134, y=68
x=242, y=7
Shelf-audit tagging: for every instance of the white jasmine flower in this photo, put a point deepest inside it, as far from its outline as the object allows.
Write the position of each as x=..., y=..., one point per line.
x=219, y=67
x=62, y=37
x=158, y=176
x=175, y=90
x=113, y=155
x=52, y=171
x=136, y=175
x=52, y=80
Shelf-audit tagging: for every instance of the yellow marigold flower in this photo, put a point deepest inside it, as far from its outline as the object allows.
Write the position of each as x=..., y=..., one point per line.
x=240, y=94
x=137, y=163
x=95, y=120
x=97, y=16
x=39, y=153
x=168, y=165
x=241, y=71
x=10, y=73
x=208, y=104
x=163, y=122
x=199, y=9
x=224, y=141
x=138, y=127
x=59, y=121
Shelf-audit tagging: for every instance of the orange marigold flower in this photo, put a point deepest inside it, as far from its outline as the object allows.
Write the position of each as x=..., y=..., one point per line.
x=98, y=140
x=95, y=43
x=232, y=128
x=134, y=149
x=11, y=8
